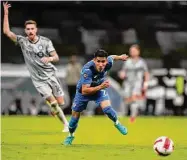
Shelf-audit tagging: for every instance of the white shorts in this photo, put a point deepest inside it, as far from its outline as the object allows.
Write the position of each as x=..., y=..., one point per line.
x=50, y=87
x=132, y=89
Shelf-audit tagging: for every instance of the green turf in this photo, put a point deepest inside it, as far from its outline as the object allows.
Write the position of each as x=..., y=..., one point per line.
x=39, y=138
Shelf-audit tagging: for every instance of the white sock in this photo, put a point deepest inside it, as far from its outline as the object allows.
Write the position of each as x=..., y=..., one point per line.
x=134, y=109
x=71, y=134
x=117, y=122
x=60, y=114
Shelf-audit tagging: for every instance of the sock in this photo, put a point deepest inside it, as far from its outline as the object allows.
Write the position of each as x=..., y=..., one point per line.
x=58, y=111
x=134, y=109
x=109, y=111
x=73, y=125
x=61, y=115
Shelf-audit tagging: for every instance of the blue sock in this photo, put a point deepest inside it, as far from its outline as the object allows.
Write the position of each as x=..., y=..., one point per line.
x=73, y=124
x=109, y=111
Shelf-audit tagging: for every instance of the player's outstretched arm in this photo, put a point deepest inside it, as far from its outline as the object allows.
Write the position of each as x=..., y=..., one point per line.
x=122, y=57
x=6, y=28
x=87, y=90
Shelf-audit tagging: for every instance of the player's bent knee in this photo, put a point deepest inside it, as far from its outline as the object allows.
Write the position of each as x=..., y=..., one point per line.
x=55, y=109
x=105, y=103
x=50, y=98
x=75, y=114
x=60, y=100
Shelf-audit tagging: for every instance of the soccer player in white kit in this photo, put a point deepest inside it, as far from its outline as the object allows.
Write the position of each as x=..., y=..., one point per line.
x=39, y=53
x=135, y=74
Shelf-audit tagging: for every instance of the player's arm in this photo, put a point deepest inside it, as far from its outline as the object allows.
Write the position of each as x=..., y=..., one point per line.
x=53, y=58
x=52, y=54
x=6, y=27
x=86, y=83
x=122, y=57
x=87, y=90
x=146, y=77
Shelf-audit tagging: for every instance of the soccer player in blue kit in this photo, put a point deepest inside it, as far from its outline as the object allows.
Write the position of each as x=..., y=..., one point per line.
x=92, y=87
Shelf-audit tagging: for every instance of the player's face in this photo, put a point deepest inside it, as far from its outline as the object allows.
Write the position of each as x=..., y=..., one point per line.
x=134, y=52
x=100, y=63
x=31, y=31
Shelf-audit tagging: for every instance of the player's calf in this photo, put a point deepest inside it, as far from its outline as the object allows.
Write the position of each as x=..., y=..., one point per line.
x=109, y=111
x=56, y=110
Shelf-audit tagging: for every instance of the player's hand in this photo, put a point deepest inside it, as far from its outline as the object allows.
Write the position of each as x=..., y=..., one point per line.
x=121, y=74
x=105, y=84
x=145, y=86
x=46, y=59
x=124, y=57
x=6, y=7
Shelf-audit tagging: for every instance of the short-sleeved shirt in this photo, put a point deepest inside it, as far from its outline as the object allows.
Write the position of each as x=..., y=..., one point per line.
x=89, y=75
x=33, y=52
x=135, y=70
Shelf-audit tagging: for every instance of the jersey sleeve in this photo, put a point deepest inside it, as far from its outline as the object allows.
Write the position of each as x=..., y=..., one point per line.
x=86, y=76
x=50, y=47
x=19, y=39
x=110, y=62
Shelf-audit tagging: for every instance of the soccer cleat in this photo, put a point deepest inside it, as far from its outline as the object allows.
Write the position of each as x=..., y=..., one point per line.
x=68, y=140
x=132, y=119
x=66, y=128
x=121, y=128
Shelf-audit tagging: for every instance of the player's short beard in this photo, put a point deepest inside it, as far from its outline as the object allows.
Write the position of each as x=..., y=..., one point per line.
x=31, y=36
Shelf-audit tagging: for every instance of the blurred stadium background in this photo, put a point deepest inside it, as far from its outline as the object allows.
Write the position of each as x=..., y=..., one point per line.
x=79, y=28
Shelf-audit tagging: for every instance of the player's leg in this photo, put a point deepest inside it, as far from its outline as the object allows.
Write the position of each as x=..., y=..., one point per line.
x=111, y=113
x=133, y=111
x=77, y=107
x=46, y=92
x=73, y=123
x=104, y=101
x=134, y=107
x=59, y=96
x=61, y=115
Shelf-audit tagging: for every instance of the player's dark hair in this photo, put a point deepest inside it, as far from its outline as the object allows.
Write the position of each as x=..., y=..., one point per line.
x=135, y=46
x=100, y=53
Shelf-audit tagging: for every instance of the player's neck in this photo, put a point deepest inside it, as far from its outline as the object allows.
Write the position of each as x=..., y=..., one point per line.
x=34, y=40
x=136, y=58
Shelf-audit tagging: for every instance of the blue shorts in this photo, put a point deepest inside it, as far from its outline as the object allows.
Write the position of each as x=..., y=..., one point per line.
x=80, y=101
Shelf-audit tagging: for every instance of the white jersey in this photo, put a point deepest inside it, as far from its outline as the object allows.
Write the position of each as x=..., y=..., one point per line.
x=135, y=70
x=33, y=52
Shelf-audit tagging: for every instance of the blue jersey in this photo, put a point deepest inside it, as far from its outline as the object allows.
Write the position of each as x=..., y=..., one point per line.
x=89, y=75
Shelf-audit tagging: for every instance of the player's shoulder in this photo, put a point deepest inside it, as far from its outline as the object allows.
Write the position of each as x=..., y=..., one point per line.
x=142, y=60
x=88, y=67
x=45, y=39
x=20, y=37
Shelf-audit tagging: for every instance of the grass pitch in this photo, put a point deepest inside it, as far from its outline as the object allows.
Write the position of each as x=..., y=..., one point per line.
x=39, y=138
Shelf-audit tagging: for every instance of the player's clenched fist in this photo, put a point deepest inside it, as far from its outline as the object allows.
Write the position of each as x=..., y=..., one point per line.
x=105, y=84
x=6, y=7
x=47, y=59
